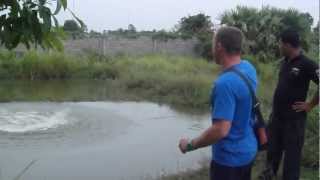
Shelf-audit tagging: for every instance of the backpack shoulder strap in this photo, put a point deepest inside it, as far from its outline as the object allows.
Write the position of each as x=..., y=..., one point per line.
x=255, y=103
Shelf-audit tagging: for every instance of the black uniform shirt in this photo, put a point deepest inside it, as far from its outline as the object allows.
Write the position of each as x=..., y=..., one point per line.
x=294, y=80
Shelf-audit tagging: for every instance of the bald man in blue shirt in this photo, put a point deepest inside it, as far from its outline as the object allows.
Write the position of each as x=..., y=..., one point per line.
x=234, y=145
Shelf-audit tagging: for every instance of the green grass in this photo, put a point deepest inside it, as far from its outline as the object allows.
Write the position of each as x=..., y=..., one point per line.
x=203, y=174
x=175, y=80
x=182, y=81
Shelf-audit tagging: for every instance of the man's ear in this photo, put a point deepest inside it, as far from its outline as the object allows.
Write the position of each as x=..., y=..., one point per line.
x=219, y=46
x=287, y=45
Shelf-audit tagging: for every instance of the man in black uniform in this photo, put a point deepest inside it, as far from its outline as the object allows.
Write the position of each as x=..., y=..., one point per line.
x=288, y=119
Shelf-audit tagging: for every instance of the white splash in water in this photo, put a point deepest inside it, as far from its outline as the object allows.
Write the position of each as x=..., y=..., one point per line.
x=19, y=122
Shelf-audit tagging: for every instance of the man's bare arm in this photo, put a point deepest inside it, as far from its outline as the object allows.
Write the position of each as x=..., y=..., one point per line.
x=217, y=131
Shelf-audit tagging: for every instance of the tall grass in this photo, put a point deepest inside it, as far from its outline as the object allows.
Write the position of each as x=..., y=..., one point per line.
x=47, y=66
x=177, y=80
x=186, y=81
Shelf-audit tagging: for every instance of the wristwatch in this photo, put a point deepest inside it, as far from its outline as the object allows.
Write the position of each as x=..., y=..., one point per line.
x=190, y=146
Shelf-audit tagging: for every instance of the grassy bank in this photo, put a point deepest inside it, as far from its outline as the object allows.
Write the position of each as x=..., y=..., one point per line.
x=175, y=80
x=179, y=81
x=203, y=174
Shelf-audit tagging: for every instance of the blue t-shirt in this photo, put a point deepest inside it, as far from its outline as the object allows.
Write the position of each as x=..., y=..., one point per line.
x=231, y=100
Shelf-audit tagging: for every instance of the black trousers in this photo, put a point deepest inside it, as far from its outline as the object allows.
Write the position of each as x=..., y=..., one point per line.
x=221, y=172
x=286, y=137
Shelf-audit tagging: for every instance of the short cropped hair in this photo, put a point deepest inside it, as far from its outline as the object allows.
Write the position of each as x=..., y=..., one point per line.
x=231, y=38
x=291, y=37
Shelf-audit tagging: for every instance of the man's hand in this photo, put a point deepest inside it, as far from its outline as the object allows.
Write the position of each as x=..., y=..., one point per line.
x=183, y=144
x=302, y=106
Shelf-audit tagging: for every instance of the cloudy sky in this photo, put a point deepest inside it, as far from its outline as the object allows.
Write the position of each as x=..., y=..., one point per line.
x=164, y=14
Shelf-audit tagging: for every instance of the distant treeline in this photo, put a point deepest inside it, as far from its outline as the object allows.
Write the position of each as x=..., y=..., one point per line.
x=261, y=27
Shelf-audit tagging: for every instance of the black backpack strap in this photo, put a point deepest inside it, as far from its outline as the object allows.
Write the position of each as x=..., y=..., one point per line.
x=255, y=102
x=247, y=81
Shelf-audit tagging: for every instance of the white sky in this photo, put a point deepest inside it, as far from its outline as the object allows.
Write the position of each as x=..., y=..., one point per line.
x=164, y=14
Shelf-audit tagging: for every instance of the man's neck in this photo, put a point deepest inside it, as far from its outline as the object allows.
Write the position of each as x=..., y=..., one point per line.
x=231, y=61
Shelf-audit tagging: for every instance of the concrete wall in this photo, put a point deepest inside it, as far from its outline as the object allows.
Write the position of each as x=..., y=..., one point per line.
x=139, y=46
